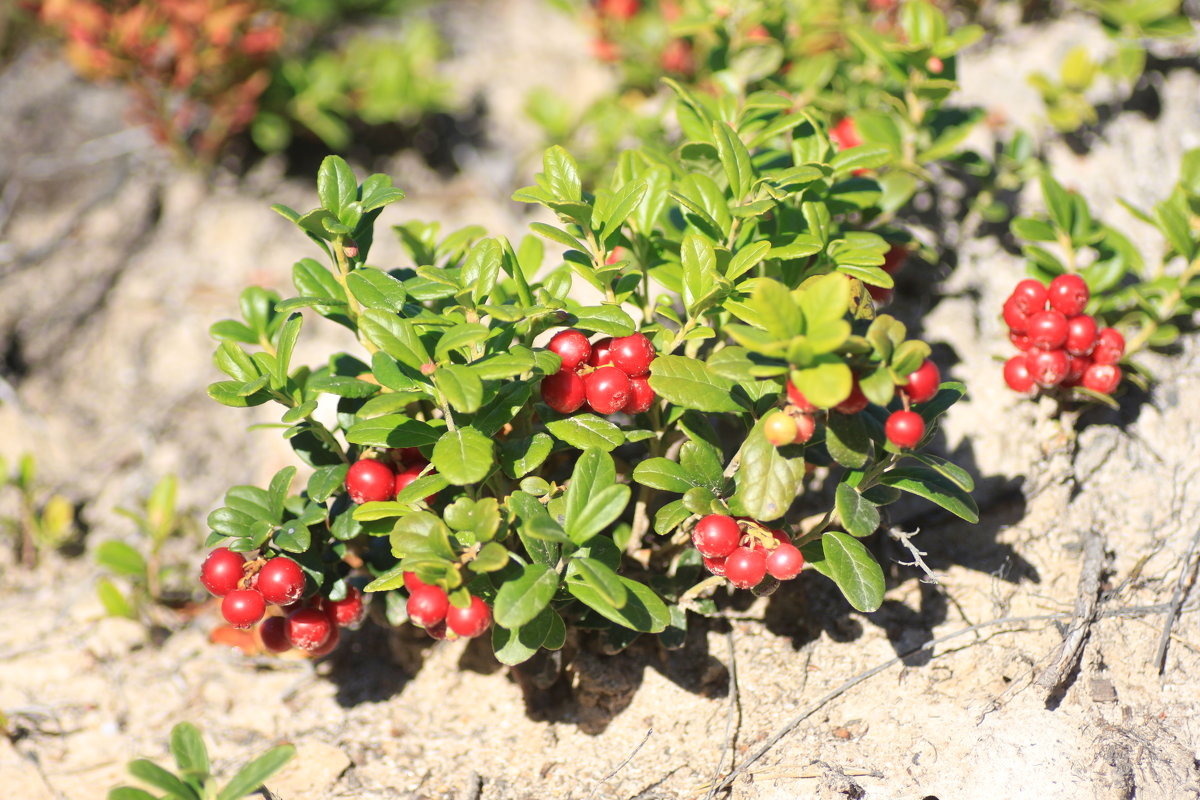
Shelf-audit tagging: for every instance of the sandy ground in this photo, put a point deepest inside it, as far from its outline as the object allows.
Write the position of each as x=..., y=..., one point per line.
x=112, y=266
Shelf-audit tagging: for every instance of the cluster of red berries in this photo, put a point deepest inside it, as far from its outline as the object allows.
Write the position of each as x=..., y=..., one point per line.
x=745, y=551
x=1060, y=345
x=429, y=606
x=607, y=376
x=905, y=428
x=370, y=480
x=247, y=587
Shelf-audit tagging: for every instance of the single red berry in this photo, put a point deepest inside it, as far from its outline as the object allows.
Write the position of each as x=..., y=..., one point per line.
x=855, y=403
x=935, y=65
x=608, y=390
x=370, y=481
x=758, y=33
x=905, y=429
x=805, y=427
x=797, y=398
x=1047, y=330
x=347, y=611
x=716, y=535
x=412, y=582
x=746, y=567
x=780, y=429
x=1081, y=335
x=677, y=57
x=408, y=456
x=1031, y=296
x=619, y=9
x=844, y=134
x=308, y=628
x=572, y=347
x=785, y=562
x=641, y=396
x=1015, y=317
x=1048, y=367
x=564, y=391
x=715, y=565
x=280, y=581
x=1068, y=294
x=923, y=382
x=243, y=607
x=330, y=643
x=410, y=474
x=1102, y=378
x=894, y=258
x=601, y=352
x=1020, y=341
x=1075, y=369
x=1110, y=346
x=632, y=355
x=471, y=621
x=880, y=295
x=1016, y=374
x=222, y=571
x=427, y=605
x=274, y=635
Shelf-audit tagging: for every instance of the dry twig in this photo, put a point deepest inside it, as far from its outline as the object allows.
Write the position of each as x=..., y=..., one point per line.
x=734, y=713
x=621, y=766
x=1065, y=659
x=905, y=539
x=1187, y=579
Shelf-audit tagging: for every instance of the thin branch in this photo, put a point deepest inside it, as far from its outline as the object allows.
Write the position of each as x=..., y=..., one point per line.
x=734, y=713
x=1187, y=579
x=1064, y=661
x=795, y=722
x=905, y=539
x=621, y=766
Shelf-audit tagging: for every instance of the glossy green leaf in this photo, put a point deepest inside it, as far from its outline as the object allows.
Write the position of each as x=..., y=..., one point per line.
x=859, y=516
x=587, y=430
x=689, y=383
x=854, y=570
x=643, y=611
x=521, y=599
x=464, y=456
x=931, y=485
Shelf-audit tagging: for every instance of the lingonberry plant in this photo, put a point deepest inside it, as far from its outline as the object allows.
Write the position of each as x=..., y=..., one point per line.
x=44, y=522
x=562, y=453
x=1094, y=300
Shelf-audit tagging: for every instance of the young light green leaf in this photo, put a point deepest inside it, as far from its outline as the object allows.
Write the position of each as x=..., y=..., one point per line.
x=251, y=777
x=120, y=558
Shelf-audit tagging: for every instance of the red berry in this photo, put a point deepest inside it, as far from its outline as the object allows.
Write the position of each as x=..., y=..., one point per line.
x=905, y=429
x=427, y=605
x=408, y=456
x=243, y=607
x=677, y=57
x=572, y=347
x=604, y=50
x=805, y=426
x=923, y=382
x=1102, y=378
x=1110, y=346
x=1020, y=341
x=347, y=611
x=1048, y=367
x=780, y=429
x=403, y=479
x=880, y=295
x=716, y=535
x=894, y=258
x=746, y=567
x=1047, y=330
x=855, y=403
x=632, y=355
x=308, y=628
x=608, y=390
x=619, y=9
x=412, y=582
x=280, y=581
x=221, y=571
x=785, y=562
x=1081, y=335
x=1016, y=374
x=601, y=355
x=437, y=631
x=844, y=134
x=641, y=396
x=1015, y=317
x=1075, y=369
x=796, y=398
x=370, y=481
x=563, y=391
x=714, y=565
x=1069, y=294
x=330, y=643
x=273, y=635
x=471, y=621
x=1030, y=296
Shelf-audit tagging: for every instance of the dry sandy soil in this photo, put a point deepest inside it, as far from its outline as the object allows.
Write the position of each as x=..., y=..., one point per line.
x=113, y=264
